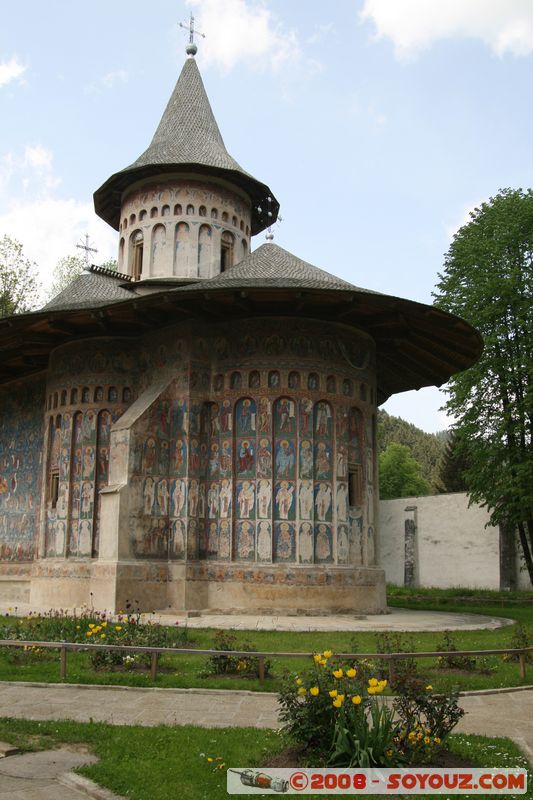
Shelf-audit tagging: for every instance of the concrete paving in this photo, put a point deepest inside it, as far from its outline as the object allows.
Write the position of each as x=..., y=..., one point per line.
x=40, y=776
x=397, y=619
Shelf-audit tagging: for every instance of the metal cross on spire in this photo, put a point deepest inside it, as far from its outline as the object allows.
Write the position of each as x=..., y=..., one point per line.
x=88, y=249
x=191, y=48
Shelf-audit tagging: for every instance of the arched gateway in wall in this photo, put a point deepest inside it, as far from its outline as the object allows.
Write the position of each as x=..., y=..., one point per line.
x=198, y=429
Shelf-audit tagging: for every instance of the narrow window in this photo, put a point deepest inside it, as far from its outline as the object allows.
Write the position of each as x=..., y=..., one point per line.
x=355, y=486
x=165, y=211
x=137, y=246
x=226, y=251
x=214, y=213
x=64, y=397
x=190, y=209
x=133, y=219
x=142, y=214
x=177, y=209
x=153, y=212
x=73, y=396
x=202, y=211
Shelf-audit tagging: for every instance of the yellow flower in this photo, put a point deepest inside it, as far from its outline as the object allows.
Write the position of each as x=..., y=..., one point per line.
x=91, y=625
x=371, y=690
x=118, y=627
x=426, y=740
x=338, y=701
x=302, y=690
x=333, y=693
x=299, y=681
x=221, y=766
x=102, y=636
x=389, y=753
x=419, y=736
x=436, y=740
x=209, y=759
x=372, y=681
x=77, y=627
x=412, y=736
x=338, y=673
x=317, y=657
x=314, y=690
x=356, y=699
x=328, y=653
x=351, y=673
x=89, y=633
x=383, y=684
x=429, y=688
x=323, y=662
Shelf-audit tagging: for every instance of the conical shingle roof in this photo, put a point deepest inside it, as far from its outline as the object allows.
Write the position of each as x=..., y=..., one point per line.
x=272, y=266
x=187, y=139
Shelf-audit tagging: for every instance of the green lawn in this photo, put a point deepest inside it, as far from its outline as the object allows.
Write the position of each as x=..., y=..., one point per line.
x=186, y=671
x=165, y=762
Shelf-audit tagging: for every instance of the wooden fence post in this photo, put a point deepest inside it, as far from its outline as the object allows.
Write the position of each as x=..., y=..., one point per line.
x=261, y=660
x=391, y=672
x=522, y=660
x=153, y=666
x=63, y=663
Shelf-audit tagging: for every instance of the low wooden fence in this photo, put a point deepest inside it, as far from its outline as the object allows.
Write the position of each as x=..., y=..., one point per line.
x=156, y=652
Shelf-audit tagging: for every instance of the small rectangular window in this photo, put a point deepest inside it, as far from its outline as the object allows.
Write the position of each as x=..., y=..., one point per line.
x=226, y=256
x=54, y=488
x=355, y=486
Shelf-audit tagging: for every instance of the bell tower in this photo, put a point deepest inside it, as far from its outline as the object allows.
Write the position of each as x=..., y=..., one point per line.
x=185, y=209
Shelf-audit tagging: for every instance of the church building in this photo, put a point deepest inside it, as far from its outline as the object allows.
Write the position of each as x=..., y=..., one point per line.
x=197, y=431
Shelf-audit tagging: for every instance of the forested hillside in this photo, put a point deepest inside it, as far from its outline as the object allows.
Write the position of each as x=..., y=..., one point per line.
x=426, y=448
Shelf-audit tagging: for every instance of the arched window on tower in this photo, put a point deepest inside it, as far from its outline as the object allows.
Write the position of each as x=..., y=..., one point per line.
x=177, y=209
x=190, y=209
x=226, y=251
x=204, y=251
x=165, y=211
x=136, y=254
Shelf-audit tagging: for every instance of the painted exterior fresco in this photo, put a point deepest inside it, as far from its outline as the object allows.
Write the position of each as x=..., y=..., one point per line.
x=89, y=386
x=233, y=463
x=234, y=455
x=21, y=446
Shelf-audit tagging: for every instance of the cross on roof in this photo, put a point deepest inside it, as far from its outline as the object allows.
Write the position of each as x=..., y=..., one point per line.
x=191, y=48
x=88, y=249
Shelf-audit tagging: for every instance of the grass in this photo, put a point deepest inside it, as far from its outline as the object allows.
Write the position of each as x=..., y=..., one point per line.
x=164, y=762
x=186, y=671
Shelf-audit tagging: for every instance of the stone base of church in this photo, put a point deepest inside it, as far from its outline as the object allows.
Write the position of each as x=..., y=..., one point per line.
x=206, y=586
x=15, y=582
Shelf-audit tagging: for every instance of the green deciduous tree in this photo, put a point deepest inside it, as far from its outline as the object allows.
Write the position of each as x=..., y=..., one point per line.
x=426, y=448
x=19, y=286
x=65, y=271
x=488, y=280
x=453, y=467
x=400, y=475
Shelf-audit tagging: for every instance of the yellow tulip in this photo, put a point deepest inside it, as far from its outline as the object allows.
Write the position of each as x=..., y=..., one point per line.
x=314, y=690
x=372, y=681
x=371, y=690
x=323, y=662
x=383, y=684
x=299, y=681
x=118, y=627
x=302, y=690
x=429, y=688
x=89, y=633
x=338, y=673
x=317, y=657
x=333, y=693
x=91, y=624
x=338, y=702
x=328, y=653
x=356, y=699
x=102, y=636
x=436, y=740
x=351, y=673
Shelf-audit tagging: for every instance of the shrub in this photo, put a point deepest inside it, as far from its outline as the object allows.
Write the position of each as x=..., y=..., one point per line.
x=520, y=638
x=453, y=661
x=426, y=720
x=233, y=665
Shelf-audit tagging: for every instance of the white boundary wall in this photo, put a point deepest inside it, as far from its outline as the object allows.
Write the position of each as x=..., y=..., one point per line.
x=452, y=546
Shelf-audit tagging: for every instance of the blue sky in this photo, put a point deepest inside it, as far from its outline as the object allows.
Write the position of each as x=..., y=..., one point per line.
x=378, y=124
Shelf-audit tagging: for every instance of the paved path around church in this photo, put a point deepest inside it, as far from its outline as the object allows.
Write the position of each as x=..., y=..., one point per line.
x=501, y=713
x=399, y=619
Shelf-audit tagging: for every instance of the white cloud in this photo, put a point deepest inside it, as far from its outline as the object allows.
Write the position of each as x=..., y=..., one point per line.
x=107, y=81
x=463, y=218
x=49, y=229
x=241, y=31
x=47, y=226
x=505, y=26
x=112, y=78
x=10, y=71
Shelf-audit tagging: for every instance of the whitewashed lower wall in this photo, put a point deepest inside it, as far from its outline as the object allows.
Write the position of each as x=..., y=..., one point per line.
x=452, y=545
